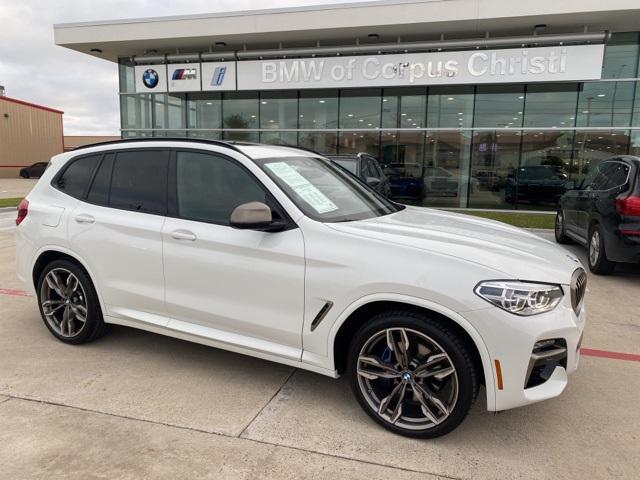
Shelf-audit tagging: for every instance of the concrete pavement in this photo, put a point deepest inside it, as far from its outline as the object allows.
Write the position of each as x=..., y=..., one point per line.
x=139, y=405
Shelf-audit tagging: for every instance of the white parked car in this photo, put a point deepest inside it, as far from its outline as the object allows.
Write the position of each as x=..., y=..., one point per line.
x=275, y=252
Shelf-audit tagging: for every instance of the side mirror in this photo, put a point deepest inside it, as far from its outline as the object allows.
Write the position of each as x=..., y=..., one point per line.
x=251, y=216
x=373, y=181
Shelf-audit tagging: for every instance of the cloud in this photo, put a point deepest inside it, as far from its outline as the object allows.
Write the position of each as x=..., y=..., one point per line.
x=34, y=69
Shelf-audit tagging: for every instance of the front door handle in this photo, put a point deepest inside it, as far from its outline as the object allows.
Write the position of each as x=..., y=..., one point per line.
x=183, y=235
x=84, y=218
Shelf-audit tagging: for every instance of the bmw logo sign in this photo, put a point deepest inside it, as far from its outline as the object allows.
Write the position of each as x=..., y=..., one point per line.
x=150, y=78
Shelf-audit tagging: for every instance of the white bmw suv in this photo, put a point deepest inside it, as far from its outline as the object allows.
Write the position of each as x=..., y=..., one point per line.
x=277, y=253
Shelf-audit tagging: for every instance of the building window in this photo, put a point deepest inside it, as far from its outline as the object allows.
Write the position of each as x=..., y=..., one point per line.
x=621, y=56
x=279, y=110
x=240, y=110
x=551, y=106
x=446, y=172
x=450, y=107
x=605, y=104
x=318, y=109
x=360, y=108
x=499, y=106
x=204, y=110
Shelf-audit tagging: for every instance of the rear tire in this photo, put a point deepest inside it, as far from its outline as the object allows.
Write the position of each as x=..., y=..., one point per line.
x=598, y=261
x=433, y=377
x=69, y=304
x=24, y=174
x=560, y=228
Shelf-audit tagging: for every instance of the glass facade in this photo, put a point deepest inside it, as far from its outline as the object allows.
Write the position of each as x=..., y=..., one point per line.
x=488, y=146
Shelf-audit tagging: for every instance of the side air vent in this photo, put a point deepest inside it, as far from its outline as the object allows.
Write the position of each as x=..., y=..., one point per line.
x=321, y=314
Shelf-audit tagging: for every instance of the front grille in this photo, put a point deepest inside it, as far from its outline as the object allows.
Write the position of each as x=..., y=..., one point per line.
x=578, y=289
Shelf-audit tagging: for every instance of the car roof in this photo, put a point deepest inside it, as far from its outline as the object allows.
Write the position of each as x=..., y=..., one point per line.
x=252, y=150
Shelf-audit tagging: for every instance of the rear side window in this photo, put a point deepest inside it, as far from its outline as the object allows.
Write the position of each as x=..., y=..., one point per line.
x=139, y=181
x=75, y=179
x=99, y=191
x=210, y=187
x=615, y=174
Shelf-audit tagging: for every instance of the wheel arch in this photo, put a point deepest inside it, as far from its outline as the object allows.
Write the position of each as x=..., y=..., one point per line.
x=50, y=253
x=361, y=311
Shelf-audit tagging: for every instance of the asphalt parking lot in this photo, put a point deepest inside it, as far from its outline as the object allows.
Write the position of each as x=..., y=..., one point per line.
x=139, y=405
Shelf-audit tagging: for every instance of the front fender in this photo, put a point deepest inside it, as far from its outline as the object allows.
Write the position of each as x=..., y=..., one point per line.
x=487, y=366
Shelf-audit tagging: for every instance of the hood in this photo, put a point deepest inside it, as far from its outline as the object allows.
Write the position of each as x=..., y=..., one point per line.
x=513, y=252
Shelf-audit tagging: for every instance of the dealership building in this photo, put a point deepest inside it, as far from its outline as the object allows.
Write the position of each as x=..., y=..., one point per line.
x=465, y=103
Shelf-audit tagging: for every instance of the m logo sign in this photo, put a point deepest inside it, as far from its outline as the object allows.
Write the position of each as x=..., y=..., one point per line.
x=185, y=74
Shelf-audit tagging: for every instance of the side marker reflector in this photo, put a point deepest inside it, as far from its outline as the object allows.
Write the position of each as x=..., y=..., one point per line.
x=499, y=375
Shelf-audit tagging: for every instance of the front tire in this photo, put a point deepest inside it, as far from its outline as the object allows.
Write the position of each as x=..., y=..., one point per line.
x=24, y=174
x=560, y=228
x=412, y=374
x=69, y=303
x=598, y=261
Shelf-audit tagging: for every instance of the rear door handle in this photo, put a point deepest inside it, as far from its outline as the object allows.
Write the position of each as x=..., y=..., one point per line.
x=84, y=218
x=183, y=235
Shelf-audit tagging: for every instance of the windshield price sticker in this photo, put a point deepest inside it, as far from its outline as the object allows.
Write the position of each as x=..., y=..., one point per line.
x=308, y=192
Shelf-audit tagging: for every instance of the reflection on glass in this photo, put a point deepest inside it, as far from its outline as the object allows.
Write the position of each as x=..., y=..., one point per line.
x=446, y=172
x=356, y=142
x=279, y=138
x=135, y=111
x=545, y=168
x=593, y=147
x=240, y=110
x=495, y=156
x=279, y=110
x=204, y=110
x=325, y=143
x=360, y=108
x=126, y=76
x=450, y=107
x=318, y=109
x=402, y=156
x=605, y=104
x=169, y=110
x=551, y=106
x=499, y=106
x=621, y=55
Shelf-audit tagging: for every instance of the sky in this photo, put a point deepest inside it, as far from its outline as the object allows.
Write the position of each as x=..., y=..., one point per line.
x=34, y=69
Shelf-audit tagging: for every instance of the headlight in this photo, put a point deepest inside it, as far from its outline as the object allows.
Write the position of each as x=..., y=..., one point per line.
x=520, y=298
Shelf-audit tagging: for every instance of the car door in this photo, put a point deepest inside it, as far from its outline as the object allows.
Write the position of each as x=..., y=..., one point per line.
x=244, y=288
x=115, y=228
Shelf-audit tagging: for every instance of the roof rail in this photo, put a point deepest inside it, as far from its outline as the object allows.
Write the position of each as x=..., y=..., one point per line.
x=219, y=143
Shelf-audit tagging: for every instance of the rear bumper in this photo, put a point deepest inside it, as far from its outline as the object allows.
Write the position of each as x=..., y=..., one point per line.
x=510, y=341
x=623, y=248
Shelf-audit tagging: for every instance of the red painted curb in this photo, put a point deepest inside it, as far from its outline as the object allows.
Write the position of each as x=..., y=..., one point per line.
x=589, y=352
x=14, y=292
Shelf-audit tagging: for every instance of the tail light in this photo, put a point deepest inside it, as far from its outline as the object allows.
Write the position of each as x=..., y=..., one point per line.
x=628, y=206
x=23, y=209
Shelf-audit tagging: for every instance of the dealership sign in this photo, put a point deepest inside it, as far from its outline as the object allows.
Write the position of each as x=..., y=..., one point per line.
x=186, y=77
x=516, y=65
x=543, y=64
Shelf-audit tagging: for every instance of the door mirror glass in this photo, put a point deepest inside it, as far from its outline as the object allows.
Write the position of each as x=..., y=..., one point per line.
x=252, y=215
x=373, y=181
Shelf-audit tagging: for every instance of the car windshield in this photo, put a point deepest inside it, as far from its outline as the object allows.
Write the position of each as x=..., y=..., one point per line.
x=324, y=191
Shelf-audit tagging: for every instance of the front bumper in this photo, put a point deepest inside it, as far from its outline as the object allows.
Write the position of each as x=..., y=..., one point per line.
x=510, y=340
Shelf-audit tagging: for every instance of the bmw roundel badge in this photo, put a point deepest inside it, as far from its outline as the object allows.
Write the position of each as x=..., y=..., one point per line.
x=150, y=78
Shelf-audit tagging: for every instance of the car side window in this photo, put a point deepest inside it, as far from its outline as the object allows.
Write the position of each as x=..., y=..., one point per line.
x=614, y=174
x=99, y=190
x=139, y=181
x=209, y=187
x=75, y=178
x=366, y=169
x=594, y=179
x=374, y=168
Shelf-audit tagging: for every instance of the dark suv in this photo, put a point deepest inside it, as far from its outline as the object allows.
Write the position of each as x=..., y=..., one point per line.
x=603, y=214
x=366, y=168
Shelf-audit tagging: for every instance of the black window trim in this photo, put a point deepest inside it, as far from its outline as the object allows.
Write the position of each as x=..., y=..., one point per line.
x=172, y=185
x=103, y=154
x=615, y=160
x=58, y=176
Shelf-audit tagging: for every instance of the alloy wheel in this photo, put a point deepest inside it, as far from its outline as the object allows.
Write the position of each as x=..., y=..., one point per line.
x=407, y=378
x=594, y=248
x=64, y=303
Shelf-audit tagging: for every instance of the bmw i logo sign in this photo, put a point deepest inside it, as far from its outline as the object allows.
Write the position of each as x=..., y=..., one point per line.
x=150, y=78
